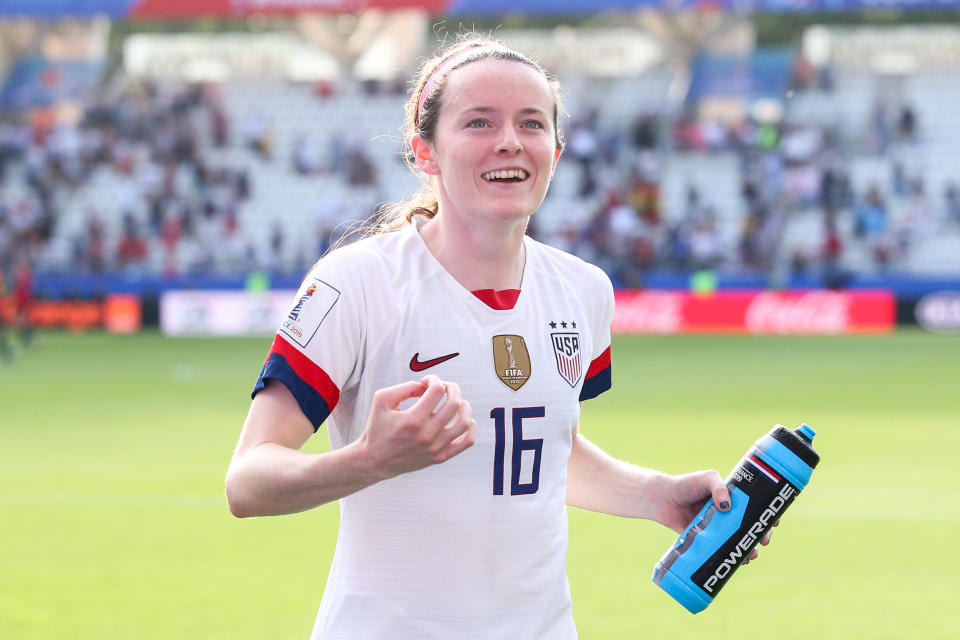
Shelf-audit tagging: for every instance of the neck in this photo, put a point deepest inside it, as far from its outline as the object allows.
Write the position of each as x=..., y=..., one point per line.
x=478, y=256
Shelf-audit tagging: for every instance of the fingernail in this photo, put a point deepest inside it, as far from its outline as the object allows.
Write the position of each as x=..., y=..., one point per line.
x=724, y=505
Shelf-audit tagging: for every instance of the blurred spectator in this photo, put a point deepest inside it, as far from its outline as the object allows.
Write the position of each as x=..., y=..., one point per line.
x=799, y=262
x=6, y=229
x=879, y=126
x=89, y=252
x=951, y=197
x=751, y=243
x=907, y=124
x=131, y=248
x=801, y=147
x=644, y=132
x=583, y=147
x=825, y=79
x=706, y=244
x=767, y=136
x=587, y=183
x=276, y=244
x=832, y=251
x=6, y=317
x=835, y=190
x=693, y=209
x=918, y=216
x=170, y=233
x=714, y=135
x=360, y=169
x=898, y=179
x=676, y=248
x=582, y=143
x=802, y=73
x=871, y=215
x=23, y=296
x=688, y=134
x=645, y=197
x=306, y=158
x=258, y=136
x=219, y=121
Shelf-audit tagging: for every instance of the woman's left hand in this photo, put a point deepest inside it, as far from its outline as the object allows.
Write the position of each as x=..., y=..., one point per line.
x=685, y=495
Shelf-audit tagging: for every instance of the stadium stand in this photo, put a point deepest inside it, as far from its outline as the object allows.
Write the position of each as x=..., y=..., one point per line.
x=162, y=177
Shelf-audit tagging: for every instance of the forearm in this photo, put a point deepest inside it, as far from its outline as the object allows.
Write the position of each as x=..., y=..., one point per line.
x=599, y=482
x=270, y=474
x=272, y=479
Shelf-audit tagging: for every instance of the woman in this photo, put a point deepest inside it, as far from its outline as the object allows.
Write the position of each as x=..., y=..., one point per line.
x=448, y=355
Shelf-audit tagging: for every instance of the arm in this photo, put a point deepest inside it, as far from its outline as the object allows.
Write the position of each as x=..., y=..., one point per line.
x=270, y=475
x=599, y=482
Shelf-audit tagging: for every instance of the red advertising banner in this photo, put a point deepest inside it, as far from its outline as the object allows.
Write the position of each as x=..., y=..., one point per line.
x=170, y=9
x=756, y=312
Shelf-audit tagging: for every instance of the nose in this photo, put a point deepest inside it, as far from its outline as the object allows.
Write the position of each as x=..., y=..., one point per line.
x=509, y=141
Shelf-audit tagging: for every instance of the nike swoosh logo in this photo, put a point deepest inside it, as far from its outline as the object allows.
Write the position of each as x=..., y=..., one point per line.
x=416, y=365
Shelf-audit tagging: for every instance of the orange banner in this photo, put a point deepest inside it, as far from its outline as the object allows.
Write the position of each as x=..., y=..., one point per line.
x=118, y=313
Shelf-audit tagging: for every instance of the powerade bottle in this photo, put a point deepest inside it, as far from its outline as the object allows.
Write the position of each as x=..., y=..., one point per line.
x=715, y=543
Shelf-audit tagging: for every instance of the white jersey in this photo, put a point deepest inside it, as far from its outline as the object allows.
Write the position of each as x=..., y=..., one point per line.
x=474, y=547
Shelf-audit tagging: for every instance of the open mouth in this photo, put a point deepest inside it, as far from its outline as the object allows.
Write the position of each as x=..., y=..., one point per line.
x=506, y=175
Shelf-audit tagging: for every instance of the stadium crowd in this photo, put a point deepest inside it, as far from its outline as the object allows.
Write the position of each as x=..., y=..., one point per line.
x=157, y=141
x=787, y=167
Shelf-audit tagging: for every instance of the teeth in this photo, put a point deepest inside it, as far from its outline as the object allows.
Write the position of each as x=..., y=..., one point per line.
x=505, y=174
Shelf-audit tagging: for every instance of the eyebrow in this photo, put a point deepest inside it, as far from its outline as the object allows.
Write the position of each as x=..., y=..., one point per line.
x=524, y=111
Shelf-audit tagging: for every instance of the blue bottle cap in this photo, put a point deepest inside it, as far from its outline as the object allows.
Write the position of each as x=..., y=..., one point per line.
x=806, y=431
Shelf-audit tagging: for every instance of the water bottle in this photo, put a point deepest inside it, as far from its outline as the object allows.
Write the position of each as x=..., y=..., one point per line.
x=715, y=543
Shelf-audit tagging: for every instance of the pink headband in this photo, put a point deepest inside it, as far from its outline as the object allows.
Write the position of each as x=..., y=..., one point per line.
x=442, y=70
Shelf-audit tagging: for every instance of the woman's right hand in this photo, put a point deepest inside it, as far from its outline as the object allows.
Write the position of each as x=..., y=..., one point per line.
x=435, y=428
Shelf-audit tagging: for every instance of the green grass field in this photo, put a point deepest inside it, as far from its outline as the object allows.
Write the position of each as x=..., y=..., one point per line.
x=113, y=522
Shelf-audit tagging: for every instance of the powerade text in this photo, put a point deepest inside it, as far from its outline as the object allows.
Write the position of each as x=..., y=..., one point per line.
x=750, y=538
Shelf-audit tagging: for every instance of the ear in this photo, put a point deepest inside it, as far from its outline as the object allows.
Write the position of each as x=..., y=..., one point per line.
x=423, y=155
x=556, y=159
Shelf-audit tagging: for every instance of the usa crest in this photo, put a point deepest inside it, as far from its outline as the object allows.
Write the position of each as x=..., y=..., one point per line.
x=511, y=360
x=566, y=347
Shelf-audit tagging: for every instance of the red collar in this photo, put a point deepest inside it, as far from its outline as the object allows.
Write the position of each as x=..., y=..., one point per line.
x=499, y=300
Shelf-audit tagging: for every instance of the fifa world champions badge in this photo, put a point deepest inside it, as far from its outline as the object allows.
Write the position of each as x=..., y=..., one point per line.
x=511, y=360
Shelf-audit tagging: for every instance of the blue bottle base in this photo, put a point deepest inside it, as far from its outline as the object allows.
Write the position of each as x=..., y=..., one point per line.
x=692, y=599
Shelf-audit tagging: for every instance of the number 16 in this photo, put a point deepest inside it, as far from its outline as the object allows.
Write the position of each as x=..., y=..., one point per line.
x=519, y=446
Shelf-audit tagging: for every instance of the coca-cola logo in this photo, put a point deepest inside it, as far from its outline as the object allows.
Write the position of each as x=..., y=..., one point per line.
x=811, y=312
x=650, y=312
x=939, y=312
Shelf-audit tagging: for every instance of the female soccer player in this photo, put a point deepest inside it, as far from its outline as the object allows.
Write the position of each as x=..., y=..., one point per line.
x=448, y=354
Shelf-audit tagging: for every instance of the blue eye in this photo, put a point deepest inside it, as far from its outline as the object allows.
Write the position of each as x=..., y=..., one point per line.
x=533, y=124
x=477, y=124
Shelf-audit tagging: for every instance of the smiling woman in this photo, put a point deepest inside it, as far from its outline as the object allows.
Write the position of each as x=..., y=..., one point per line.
x=492, y=156
x=450, y=529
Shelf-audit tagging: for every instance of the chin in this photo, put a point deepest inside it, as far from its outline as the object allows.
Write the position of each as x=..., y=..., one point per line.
x=515, y=213
x=514, y=209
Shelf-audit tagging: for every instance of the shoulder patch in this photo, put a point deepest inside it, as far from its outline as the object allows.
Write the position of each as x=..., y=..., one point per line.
x=311, y=307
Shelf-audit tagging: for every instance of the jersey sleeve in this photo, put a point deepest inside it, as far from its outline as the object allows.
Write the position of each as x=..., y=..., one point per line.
x=597, y=380
x=315, y=349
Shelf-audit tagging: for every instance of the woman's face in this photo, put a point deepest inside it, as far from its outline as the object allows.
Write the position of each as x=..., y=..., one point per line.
x=494, y=150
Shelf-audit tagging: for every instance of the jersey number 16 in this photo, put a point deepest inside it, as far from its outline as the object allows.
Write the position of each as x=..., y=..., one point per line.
x=520, y=445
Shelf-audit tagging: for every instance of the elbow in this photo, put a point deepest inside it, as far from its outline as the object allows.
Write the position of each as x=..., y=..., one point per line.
x=237, y=500
x=237, y=508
